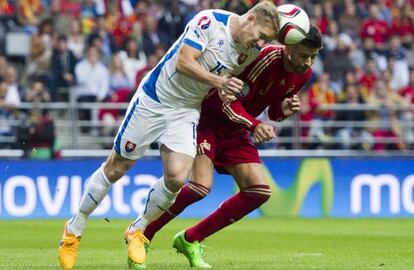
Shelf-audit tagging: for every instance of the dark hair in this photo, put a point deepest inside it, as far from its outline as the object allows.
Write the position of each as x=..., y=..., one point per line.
x=62, y=38
x=313, y=38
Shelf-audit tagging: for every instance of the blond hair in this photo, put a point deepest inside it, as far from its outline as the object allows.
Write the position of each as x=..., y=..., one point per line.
x=266, y=13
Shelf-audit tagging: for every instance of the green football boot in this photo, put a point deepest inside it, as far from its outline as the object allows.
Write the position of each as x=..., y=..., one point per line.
x=193, y=251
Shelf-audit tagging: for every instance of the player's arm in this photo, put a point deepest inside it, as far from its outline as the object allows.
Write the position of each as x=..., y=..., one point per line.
x=188, y=65
x=236, y=113
x=285, y=108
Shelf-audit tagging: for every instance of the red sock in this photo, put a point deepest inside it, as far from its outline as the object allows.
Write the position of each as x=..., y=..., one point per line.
x=229, y=212
x=190, y=193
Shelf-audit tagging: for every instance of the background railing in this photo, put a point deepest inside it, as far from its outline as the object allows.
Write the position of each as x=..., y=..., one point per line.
x=291, y=141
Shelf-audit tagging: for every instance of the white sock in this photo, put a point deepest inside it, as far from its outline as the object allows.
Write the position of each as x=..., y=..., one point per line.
x=96, y=189
x=159, y=199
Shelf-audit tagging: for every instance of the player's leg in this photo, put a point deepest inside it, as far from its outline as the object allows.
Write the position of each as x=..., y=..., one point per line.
x=130, y=143
x=95, y=191
x=240, y=158
x=254, y=191
x=201, y=178
x=178, y=149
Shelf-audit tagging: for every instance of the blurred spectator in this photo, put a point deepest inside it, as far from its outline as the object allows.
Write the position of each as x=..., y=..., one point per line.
x=59, y=18
x=37, y=93
x=107, y=39
x=36, y=136
x=133, y=58
x=172, y=22
x=399, y=73
x=3, y=65
x=151, y=63
x=408, y=94
x=14, y=90
x=110, y=117
x=95, y=41
x=118, y=79
x=321, y=94
x=40, y=52
x=369, y=78
x=384, y=11
x=384, y=120
x=375, y=27
x=92, y=77
x=87, y=15
x=331, y=36
x=319, y=19
x=397, y=62
x=408, y=91
x=377, y=54
x=29, y=13
x=338, y=62
x=350, y=22
x=352, y=135
x=151, y=37
x=63, y=69
x=76, y=41
x=8, y=114
x=92, y=82
x=236, y=6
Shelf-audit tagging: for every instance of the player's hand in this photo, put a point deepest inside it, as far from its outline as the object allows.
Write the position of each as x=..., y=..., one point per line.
x=264, y=133
x=231, y=86
x=227, y=99
x=291, y=105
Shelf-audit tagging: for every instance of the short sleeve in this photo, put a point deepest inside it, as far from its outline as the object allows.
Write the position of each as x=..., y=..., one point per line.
x=199, y=29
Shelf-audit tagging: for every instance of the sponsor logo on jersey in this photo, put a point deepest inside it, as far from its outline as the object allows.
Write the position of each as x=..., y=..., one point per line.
x=220, y=43
x=197, y=33
x=204, y=22
x=242, y=58
x=130, y=146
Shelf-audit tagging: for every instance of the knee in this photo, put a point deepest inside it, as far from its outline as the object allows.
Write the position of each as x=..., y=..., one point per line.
x=114, y=169
x=201, y=189
x=176, y=175
x=258, y=194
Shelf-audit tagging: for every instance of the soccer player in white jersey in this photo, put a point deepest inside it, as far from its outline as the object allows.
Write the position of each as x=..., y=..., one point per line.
x=166, y=109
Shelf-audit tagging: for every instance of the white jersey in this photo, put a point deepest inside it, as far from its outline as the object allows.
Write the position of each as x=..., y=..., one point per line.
x=208, y=32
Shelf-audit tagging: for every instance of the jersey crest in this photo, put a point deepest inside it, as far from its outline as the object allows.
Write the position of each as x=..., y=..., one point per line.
x=242, y=58
x=130, y=146
x=204, y=22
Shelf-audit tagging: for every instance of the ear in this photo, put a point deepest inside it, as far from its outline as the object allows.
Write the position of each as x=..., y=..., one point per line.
x=251, y=18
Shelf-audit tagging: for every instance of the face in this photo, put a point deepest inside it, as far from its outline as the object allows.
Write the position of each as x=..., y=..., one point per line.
x=301, y=57
x=253, y=34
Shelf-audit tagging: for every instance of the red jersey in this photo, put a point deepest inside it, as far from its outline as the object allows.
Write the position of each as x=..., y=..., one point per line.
x=267, y=85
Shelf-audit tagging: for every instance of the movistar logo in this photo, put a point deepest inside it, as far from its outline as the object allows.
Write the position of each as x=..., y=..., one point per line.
x=288, y=202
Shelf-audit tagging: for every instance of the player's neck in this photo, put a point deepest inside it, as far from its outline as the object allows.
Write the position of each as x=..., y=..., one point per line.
x=235, y=26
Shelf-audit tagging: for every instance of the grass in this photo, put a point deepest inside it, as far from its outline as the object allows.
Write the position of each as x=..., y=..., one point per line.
x=252, y=244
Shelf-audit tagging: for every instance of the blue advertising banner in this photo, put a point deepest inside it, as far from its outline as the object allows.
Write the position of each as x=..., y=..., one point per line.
x=309, y=187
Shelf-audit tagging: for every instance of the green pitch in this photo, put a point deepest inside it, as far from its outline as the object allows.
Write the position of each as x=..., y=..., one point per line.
x=249, y=244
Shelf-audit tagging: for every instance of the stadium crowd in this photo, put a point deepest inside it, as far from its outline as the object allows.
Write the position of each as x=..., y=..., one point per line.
x=101, y=49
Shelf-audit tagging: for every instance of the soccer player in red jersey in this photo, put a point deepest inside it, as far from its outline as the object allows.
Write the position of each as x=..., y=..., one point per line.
x=224, y=142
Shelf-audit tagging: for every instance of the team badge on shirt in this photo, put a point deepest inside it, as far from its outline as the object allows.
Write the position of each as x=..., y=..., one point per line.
x=130, y=146
x=242, y=58
x=204, y=22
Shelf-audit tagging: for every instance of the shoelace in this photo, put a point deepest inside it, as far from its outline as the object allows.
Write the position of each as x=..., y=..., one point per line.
x=201, y=247
x=141, y=236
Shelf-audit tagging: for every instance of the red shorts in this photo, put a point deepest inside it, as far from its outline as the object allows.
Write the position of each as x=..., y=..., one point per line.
x=227, y=147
